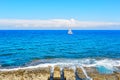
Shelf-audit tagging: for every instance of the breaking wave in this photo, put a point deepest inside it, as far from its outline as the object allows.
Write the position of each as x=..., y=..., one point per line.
x=109, y=64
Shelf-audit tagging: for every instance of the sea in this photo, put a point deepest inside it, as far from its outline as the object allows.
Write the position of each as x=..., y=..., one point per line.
x=40, y=48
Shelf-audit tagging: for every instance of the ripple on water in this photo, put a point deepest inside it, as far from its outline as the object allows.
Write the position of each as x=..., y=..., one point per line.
x=7, y=54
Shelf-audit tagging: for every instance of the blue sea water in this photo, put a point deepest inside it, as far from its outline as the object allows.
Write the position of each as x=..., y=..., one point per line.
x=30, y=47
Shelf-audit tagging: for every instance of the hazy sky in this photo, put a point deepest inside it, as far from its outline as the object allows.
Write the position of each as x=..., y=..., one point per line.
x=58, y=14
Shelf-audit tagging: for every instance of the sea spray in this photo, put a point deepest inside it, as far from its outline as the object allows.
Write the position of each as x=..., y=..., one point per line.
x=62, y=73
x=85, y=73
x=51, y=72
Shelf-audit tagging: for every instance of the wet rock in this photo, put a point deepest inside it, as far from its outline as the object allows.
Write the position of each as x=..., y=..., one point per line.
x=95, y=78
x=111, y=77
x=44, y=74
x=117, y=74
x=91, y=71
x=80, y=73
x=94, y=74
x=98, y=77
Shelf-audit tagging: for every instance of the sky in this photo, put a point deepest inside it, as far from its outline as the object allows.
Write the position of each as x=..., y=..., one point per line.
x=60, y=14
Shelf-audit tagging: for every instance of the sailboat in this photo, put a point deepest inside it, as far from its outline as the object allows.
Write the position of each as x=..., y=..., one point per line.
x=70, y=31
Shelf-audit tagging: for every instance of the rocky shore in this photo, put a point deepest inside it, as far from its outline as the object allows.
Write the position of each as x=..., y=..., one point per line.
x=28, y=74
x=57, y=74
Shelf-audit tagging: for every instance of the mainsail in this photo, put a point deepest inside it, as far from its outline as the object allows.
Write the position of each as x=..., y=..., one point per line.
x=70, y=31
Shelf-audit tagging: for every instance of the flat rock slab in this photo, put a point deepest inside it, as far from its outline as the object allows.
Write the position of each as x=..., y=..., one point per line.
x=56, y=74
x=105, y=77
x=69, y=74
x=95, y=75
x=28, y=74
x=98, y=77
x=118, y=75
x=111, y=77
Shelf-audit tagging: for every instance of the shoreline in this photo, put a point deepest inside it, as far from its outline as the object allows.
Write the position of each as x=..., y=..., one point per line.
x=57, y=73
x=65, y=69
x=87, y=62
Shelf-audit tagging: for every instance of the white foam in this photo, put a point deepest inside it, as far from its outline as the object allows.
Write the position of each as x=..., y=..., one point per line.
x=72, y=63
x=85, y=73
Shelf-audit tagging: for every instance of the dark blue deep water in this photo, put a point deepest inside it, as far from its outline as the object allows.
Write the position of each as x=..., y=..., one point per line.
x=22, y=47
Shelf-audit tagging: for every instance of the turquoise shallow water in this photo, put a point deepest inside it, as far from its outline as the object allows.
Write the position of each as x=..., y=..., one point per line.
x=23, y=48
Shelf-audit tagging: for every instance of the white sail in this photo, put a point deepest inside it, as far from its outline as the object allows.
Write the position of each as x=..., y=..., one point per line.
x=70, y=31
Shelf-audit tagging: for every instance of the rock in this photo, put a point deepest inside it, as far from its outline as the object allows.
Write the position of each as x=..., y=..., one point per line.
x=98, y=77
x=28, y=74
x=111, y=77
x=94, y=74
x=69, y=74
x=44, y=74
x=117, y=74
x=95, y=78
x=56, y=74
x=80, y=73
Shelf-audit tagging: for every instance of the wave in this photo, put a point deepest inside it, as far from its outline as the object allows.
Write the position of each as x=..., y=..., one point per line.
x=110, y=64
x=7, y=54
